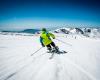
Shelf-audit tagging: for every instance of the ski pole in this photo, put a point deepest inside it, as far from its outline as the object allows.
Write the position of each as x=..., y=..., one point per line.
x=64, y=42
x=37, y=51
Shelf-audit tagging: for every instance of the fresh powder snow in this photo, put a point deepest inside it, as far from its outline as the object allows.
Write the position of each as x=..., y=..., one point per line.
x=81, y=62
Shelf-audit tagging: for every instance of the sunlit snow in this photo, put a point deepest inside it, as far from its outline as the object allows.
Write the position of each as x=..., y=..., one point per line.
x=81, y=62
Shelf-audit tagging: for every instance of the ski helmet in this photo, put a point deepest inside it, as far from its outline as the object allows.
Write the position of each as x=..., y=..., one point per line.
x=44, y=29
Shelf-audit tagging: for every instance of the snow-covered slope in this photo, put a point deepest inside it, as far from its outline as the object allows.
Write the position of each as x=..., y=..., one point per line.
x=82, y=62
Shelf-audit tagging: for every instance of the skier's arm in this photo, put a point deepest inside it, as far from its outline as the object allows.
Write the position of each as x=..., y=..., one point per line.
x=41, y=41
x=52, y=35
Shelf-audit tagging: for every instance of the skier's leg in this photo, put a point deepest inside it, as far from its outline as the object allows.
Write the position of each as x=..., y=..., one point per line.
x=49, y=48
x=55, y=47
x=53, y=44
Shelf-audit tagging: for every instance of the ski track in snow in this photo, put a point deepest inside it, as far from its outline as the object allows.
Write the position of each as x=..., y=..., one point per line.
x=16, y=62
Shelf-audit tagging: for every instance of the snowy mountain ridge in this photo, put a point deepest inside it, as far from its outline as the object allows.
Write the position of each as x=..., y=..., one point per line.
x=88, y=32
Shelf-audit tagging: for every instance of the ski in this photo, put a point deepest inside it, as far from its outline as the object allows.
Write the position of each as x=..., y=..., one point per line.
x=51, y=55
x=59, y=52
x=62, y=52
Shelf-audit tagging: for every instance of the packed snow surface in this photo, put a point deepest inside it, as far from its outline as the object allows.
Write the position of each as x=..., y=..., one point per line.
x=81, y=62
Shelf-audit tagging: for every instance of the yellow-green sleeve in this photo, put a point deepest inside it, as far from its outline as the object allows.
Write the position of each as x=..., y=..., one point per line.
x=52, y=35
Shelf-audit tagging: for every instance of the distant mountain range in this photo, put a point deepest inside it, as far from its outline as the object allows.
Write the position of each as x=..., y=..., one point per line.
x=32, y=31
x=88, y=32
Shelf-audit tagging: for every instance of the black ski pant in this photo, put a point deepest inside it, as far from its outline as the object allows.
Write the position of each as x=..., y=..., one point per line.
x=51, y=45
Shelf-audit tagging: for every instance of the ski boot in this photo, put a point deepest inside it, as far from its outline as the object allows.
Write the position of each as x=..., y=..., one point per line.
x=49, y=50
x=56, y=49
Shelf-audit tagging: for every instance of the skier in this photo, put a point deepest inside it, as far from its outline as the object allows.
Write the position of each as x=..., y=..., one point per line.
x=45, y=40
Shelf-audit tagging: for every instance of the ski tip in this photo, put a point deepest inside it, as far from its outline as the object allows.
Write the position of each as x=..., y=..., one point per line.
x=63, y=52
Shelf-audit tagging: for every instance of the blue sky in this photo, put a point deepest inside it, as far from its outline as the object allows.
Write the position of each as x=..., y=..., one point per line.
x=22, y=14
